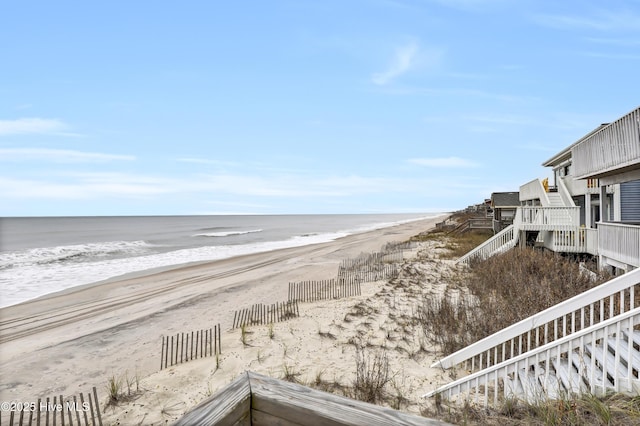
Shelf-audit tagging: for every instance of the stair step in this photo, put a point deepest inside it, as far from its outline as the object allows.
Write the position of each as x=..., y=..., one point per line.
x=568, y=375
x=583, y=363
x=624, y=353
x=552, y=386
x=512, y=388
x=636, y=336
x=606, y=358
x=532, y=390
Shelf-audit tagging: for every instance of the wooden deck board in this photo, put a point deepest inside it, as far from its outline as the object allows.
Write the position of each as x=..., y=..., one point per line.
x=302, y=405
x=258, y=400
x=229, y=407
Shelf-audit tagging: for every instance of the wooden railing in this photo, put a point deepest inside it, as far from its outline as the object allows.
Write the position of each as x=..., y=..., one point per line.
x=610, y=148
x=570, y=240
x=584, y=310
x=581, y=186
x=548, y=218
x=571, y=346
x=592, y=238
x=502, y=241
x=534, y=191
x=565, y=195
x=254, y=399
x=619, y=241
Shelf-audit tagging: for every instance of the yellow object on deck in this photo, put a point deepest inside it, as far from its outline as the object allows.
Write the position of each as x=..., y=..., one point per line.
x=545, y=184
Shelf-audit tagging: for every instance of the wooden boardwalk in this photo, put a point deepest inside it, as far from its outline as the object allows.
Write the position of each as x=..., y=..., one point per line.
x=257, y=400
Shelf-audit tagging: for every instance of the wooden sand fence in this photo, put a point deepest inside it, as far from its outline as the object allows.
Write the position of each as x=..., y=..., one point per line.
x=395, y=245
x=370, y=267
x=185, y=347
x=72, y=410
x=310, y=291
x=265, y=314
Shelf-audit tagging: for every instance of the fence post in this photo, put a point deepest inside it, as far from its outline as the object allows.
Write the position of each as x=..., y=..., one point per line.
x=86, y=420
x=95, y=395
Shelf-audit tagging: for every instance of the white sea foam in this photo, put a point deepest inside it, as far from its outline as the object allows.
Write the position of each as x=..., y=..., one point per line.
x=227, y=233
x=76, y=252
x=29, y=274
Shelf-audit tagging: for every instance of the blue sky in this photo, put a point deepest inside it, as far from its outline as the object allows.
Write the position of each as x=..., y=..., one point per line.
x=299, y=106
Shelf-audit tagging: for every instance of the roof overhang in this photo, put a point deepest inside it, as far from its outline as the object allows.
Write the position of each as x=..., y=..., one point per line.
x=565, y=154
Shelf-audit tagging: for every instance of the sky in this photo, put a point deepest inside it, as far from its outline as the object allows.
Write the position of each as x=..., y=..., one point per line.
x=299, y=106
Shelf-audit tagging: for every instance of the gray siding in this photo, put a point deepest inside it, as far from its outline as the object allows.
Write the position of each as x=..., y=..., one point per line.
x=630, y=201
x=580, y=202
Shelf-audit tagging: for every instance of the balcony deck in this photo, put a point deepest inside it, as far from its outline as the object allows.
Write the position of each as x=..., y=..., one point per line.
x=610, y=150
x=619, y=243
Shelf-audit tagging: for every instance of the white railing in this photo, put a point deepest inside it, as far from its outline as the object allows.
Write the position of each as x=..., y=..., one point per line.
x=534, y=191
x=564, y=194
x=581, y=186
x=569, y=348
x=619, y=241
x=595, y=305
x=610, y=148
x=548, y=218
x=572, y=240
x=502, y=241
x=592, y=238
x=485, y=250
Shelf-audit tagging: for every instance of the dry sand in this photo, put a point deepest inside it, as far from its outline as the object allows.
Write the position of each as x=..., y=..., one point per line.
x=69, y=342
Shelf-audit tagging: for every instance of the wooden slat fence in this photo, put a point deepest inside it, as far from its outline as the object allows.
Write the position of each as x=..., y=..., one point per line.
x=72, y=410
x=395, y=245
x=310, y=291
x=368, y=273
x=185, y=347
x=265, y=314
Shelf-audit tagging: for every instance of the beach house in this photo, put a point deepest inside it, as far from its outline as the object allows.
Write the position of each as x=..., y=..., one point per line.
x=504, y=206
x=592, y=204
x=591, y=342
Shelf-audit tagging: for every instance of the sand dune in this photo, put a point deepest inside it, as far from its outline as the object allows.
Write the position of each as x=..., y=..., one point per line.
x=68, y=342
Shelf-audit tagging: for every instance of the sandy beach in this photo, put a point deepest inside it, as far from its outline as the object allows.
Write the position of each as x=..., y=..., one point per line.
x=67, y=343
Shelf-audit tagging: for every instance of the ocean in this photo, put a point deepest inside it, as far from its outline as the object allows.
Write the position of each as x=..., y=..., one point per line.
x=42, y=255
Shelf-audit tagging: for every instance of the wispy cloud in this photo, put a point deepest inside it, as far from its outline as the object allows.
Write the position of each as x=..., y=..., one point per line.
x=469, y=5
x=625, y=42
x=608, y=55
x=403, y=60
x=59, y=155
x=453, y=91
x=208, y=161
x=251, y=190
x=600, y=20
x=31, y=125
x=444, y=162
x=89, y=187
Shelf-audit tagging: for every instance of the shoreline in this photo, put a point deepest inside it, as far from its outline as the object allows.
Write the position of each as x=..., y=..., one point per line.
x=69, y=341
x=165, y=268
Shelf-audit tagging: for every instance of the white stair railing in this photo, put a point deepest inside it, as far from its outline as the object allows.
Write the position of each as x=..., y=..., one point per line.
x=567, y=199
x=502, y=241
x=584, y=310
x=541, y=370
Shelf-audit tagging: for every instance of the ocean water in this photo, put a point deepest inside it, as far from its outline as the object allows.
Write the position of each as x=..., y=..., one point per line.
x=43, y=255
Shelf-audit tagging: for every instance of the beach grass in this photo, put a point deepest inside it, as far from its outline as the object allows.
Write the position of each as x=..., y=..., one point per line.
x=499, y=292
x=432, y=308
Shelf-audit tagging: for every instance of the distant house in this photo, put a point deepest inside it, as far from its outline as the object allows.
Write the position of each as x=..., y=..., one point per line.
x=587, y=344
x=592, y=205
x=504, y=205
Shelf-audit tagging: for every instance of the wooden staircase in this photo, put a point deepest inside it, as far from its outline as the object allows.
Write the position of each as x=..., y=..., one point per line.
x=587, y=344
x=602, y=367
x=499, y=243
